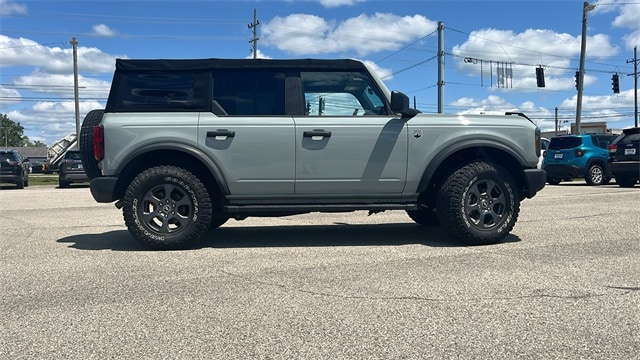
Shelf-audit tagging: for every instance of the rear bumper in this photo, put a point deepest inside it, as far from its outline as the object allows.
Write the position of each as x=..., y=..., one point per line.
x=535, y=180
x=564, y=171
x=10, y=178
x=76, y=177
x=103, y=189
x=625, y=168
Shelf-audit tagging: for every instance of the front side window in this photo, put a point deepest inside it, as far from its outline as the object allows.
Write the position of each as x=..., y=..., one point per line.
x=335, y=93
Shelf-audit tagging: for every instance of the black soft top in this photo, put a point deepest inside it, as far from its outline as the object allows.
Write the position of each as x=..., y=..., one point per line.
x=213, y=63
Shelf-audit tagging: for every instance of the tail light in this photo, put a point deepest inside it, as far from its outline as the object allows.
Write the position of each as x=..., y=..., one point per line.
x=98, y=142
x=579, y=152
x=613, y=148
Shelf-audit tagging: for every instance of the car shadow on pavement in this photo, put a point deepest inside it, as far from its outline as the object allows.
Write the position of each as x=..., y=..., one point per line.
x=287, y=236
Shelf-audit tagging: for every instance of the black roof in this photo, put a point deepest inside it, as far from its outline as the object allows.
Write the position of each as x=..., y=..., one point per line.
x=205, y=64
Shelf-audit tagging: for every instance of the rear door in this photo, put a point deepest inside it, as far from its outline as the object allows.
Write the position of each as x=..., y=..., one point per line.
x=247, y=134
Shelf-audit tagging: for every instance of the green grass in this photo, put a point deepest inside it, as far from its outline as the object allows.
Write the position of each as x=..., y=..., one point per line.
x=43, y=179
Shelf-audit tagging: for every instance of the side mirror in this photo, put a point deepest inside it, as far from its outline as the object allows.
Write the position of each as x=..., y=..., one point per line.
x=400, y=105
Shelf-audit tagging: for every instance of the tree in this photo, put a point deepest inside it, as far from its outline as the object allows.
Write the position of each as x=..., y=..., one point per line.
x=11, y=133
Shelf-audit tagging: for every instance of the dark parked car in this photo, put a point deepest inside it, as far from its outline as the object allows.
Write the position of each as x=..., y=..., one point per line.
x=624, y=157
x=14, y=168
x=574, y=156
x=71, y=170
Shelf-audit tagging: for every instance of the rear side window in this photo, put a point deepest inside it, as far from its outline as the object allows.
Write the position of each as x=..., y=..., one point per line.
x=561, y=143
x=248, y=92
x=603, y=141
x=72, y=156
x=159, y=91
x=631, y=138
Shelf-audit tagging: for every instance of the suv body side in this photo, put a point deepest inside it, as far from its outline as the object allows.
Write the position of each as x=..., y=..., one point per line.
x=279, y=137
x=577, y=156
x=624, y=157
x=14, y=168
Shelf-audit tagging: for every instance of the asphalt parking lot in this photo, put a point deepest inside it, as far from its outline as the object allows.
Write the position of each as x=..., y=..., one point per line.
x=564, y=285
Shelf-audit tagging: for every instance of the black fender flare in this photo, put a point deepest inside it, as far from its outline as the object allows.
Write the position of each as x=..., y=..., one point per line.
x=198, y=154
x=450, y=150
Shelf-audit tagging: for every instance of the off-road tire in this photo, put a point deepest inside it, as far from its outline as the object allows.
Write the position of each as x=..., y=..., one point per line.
x=478, y=204
x=89, y=163
x=595, y=175
x=167, y=207
x=424, y=217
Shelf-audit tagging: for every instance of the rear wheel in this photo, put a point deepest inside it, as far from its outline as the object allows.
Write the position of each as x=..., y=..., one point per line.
x=595, y=175
x=89, y=163
x=167, y=207
x=626, y=181
x=477, y=204
x=63, y=184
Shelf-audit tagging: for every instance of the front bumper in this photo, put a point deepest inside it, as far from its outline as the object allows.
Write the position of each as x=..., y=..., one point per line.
x=535, y=180
x=103, y=189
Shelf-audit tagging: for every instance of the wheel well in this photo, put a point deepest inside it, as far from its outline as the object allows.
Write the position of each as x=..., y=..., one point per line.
x=465, y=156
x=169, y=157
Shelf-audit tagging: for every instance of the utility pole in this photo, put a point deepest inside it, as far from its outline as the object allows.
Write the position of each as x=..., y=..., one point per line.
x=74, y=42
x=635, y=84
x=583, y=49
x=440, y=67
x=254, y=41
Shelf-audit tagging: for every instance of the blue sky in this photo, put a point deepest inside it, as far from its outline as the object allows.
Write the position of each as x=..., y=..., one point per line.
x=398, y=38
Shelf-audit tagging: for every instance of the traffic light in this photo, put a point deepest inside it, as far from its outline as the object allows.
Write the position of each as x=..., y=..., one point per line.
x=540, y=76
x=577, y=80
x=615, y=83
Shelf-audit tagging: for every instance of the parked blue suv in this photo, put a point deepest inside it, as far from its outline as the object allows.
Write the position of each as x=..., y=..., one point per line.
x=574, y=156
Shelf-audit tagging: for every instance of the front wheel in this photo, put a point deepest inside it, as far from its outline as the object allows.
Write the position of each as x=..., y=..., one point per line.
x=477, y=204
x=167, y=207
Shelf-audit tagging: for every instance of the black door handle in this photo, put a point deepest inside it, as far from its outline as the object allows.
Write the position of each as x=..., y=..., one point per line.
x=317, y=132
x=221, y=132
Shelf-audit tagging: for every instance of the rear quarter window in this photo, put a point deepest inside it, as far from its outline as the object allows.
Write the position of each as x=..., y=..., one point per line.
x=159, y=91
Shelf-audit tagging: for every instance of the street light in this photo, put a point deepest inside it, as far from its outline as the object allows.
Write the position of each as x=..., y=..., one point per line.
x=583, y=49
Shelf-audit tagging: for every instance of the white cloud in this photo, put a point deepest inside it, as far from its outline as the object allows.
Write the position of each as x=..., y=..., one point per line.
x=26, y=52
x=310, y=34
x=259, y=55
x=8, y=7
x=337, y=3
x=555, y=51
x=103, y=30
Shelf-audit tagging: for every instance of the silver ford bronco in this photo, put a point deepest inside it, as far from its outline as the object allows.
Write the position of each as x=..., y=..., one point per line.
x=184, y=145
